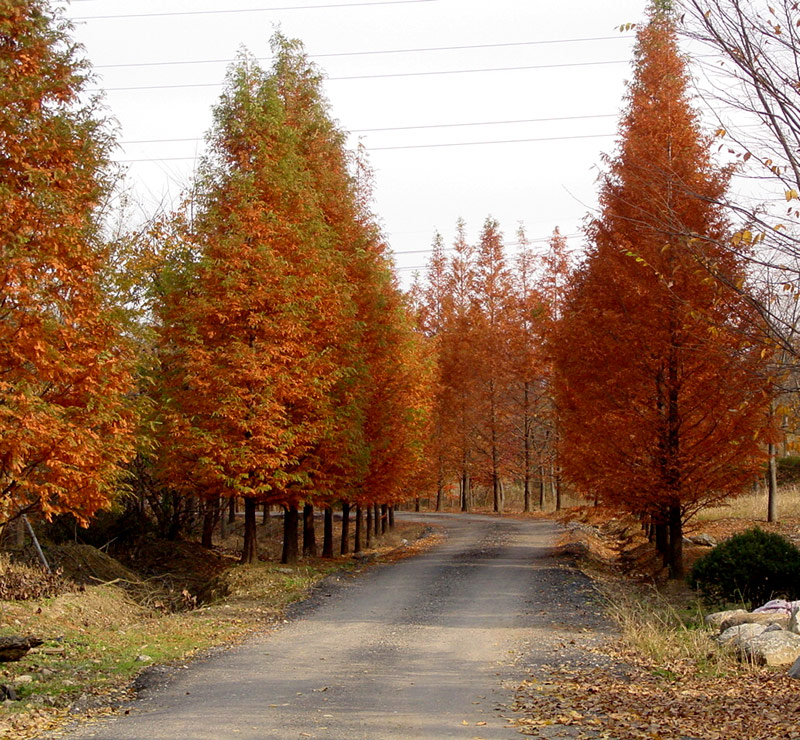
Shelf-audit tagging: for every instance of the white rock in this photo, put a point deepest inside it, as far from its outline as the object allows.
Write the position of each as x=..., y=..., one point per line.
x=143, y=658
x=772, y=648
x=764, y=618
x=740, y=633
x=716, y=619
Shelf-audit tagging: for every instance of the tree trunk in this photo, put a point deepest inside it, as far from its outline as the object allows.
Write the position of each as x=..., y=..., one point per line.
x=290, y=549
x=391, y=517
x=357, y=536
x=416, y=504
x=250, y=546
x=210, y=510
x=309, y=534
x=223, y=519
x=772, y=484
x=369, y=526
x=384, y=518
x=661, y=538
x=174, y=529
x=541, y=487
x=675, y=552
x=526, y=441
x=231, y=509
x=265, y=515
x=345, y=544
x=377, y=520
x=557, y=490
x=466, y=491
x=327, y=533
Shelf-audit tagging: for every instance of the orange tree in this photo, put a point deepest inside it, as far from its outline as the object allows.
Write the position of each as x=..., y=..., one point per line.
x=661, y=401
x=250, y=326
x=64, y=421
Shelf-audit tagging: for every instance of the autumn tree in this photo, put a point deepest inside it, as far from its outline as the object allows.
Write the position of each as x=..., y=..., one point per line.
x=250, y=326
x=661, y=401
x=493, y=318
x=65, y=425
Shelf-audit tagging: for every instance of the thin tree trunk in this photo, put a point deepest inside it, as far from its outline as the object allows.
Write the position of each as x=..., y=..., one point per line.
x=369, y=526
x=675, y=558
x=309, y=533
x=327, y=533
x=210, y=509
x=416, y=504
x=772, y=484
x=526, y=441
x=223, y=518
x=250, y=546
x=557, y=487
x=377, y=508
x=345, y=544
x=290, y=549
x=231, y=509
x=265, y=515
x=357, y=535
x=384, y=518
x=542, y=487
x=391, y=517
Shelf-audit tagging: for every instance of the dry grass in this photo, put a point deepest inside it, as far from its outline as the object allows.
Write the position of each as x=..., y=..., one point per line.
x=754, y=506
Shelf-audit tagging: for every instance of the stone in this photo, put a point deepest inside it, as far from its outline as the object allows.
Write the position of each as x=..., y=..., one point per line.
x=765, y=618
x=794, y=622
x=740, y=633
x=14, y=647
x=716, y=619
x=704, y=540
x=7, y=693
x=794, y=671
x=143, y=658
x=24, y=678
x=772, y=648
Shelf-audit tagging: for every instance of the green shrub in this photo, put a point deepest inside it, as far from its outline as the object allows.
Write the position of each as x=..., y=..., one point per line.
x=751, y=567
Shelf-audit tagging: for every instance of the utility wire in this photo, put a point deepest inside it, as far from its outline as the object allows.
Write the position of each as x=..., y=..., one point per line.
x=374, y=52
x=380, y=76
x=245, y=10
x=408, y=146
x=405, y=128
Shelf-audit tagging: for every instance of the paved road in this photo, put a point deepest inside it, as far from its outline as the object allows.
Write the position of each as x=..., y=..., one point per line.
x=430, y=648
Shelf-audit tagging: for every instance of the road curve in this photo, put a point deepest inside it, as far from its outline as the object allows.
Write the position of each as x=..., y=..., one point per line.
x=430, y=648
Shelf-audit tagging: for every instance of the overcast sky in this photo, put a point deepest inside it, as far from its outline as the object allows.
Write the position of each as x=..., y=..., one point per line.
x=550, y=60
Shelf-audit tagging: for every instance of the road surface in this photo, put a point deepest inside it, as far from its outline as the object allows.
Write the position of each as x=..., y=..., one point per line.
x=429, y=648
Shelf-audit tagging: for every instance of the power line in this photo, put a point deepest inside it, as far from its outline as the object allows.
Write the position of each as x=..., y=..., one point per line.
x=246, y=10
x=409, y=146
x=380, y=76
x=375, y=52
x=407, y=128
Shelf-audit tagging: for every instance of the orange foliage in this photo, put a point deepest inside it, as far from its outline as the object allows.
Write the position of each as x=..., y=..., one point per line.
x=660, y=391
x=64, y=422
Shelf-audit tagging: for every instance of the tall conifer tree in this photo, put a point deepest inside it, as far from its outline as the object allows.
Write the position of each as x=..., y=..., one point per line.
x=659, y=394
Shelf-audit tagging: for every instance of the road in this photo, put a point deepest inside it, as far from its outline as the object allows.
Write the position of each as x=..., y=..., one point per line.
x=429, y=648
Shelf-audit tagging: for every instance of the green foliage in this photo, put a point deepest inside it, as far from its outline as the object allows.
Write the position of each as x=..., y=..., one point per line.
x=751, y=567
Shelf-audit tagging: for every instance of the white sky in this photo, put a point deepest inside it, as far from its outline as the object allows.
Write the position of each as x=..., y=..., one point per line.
x=418, y=190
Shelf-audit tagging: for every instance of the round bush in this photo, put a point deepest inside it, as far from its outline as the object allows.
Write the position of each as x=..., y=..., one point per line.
x=751, y=567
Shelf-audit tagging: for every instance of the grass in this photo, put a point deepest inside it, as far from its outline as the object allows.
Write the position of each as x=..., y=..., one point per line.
x=754, y=506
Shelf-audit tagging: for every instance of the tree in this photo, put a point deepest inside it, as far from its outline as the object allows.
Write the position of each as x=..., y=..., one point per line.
x=250, y=325
x=492, y=327
x=65, y=424
x=754, y=86
x=662, y=403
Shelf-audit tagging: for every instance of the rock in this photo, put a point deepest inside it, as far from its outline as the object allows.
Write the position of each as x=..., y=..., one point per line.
x=143, y=658
x=794, y=671
x=14, y=647
x=772, y=648
x=765, y=618
x=794, y=622
x=740, y=633
x=25, y=678
x=704, y=540
x=716, y=619
x=7, y=693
